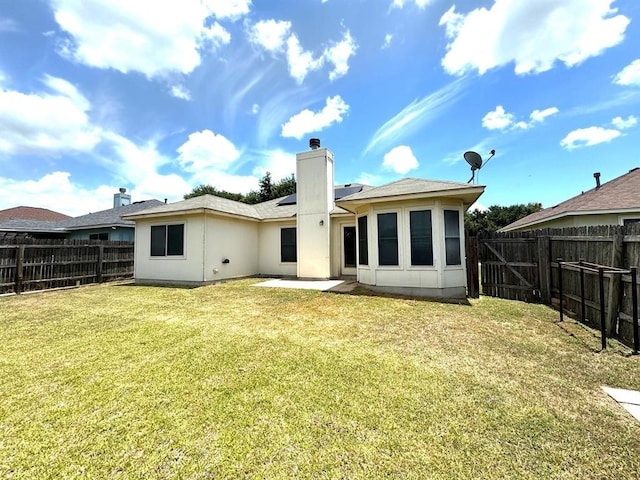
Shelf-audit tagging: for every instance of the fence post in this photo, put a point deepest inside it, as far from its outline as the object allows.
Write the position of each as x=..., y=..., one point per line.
x=560, y=287
x=634, y=306
x=603, y=325
x=99, y=265
x=582, y=300
x=19, y=269
x=615, y=283
x=544, y=269
x=473, y=281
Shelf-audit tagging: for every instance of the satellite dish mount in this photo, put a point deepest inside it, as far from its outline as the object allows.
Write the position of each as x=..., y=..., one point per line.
x=475, y=160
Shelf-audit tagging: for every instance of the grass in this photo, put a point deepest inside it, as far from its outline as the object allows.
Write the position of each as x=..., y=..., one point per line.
x=232, y=381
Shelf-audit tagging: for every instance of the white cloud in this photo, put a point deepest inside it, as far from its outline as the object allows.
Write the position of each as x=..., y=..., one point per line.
x=540, y=115
x=339, y=56
x=46, y=123
x=498, y=119
x=206, y=149
x=387, y=41
x=231, y=9
x=307, y=121
x=622, y=124
x=146, y=36
x=279, y=163
x=270, y=34
x=180, y=91
x=534, y=35
x=301, y=62
x=416, y=115
x=370, y=179
x=419, y=3
x=400, y=159
x=629, y=75
x=587, y=137
x=276, y=37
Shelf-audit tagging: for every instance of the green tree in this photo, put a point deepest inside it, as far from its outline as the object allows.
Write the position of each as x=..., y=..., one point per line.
x=268, y=190
x=211, y=190
x=496, y=217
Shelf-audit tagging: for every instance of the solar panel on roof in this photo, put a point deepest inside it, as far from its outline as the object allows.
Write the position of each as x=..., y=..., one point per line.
x=338, y=193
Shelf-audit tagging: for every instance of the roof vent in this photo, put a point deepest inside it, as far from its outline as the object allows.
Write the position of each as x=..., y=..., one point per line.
x=314, y=143
x=597, y=177
x=123, y=190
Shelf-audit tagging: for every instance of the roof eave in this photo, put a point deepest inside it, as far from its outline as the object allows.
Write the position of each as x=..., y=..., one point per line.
x=467, y=195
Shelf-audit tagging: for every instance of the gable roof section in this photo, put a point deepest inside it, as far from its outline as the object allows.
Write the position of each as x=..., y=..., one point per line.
x=200, y=204
x=31, y=213
x=410, y=188
x=618, y=195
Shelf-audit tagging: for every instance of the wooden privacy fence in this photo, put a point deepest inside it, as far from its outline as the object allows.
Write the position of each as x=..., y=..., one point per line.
x=523, y=266
x=53, y=264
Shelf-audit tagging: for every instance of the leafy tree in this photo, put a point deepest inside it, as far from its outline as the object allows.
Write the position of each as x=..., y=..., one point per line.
x=496, y=217
x=211, y=190
x=268, y=190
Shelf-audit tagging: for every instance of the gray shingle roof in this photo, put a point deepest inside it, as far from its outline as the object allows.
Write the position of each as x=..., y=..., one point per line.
x=415, y=186
x=621, y=193
x=104, y=218
x=200, y=203
x=110, y=217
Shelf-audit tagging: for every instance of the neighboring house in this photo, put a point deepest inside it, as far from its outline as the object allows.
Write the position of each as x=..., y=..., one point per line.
x=404, y=237
x=103, y=225
x=31, y=213
x=616, y=202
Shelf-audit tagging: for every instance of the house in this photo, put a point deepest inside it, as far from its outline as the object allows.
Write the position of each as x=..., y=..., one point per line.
x=404, y=237
x=31, y=213
x=616, y=202
x=103, y=225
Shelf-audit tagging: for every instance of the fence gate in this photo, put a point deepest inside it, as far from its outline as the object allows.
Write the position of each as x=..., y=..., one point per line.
x=510, y=267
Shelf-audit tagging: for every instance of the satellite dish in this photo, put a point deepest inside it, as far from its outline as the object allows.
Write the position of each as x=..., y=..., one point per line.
x=475, y=160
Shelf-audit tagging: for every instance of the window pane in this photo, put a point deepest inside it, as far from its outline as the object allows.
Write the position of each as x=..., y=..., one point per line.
x=349, y=239
x=175, y=239
x=452, y=237
x=421, y=239
x=363, y=246
x=158, y=238
x=288, y=245
x=387, y=239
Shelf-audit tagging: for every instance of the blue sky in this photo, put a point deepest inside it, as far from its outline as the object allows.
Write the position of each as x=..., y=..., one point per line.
x=160, y=96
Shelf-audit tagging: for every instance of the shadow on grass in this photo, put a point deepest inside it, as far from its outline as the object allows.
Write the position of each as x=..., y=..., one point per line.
x=362, y=291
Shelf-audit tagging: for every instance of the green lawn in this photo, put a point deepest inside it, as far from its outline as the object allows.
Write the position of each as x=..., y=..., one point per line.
x=234, y=381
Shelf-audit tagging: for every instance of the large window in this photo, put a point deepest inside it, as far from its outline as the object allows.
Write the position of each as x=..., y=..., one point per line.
x=167, y=240
x=363, y=245
x=452, y=237
x=421, y=239
x=288, y=245
x=387, y=239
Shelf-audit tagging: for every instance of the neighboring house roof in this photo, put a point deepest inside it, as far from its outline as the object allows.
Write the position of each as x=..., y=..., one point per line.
x=102, y=219
x=622, y=194
x=408, y=188
x=31, y=213
x=109, y=218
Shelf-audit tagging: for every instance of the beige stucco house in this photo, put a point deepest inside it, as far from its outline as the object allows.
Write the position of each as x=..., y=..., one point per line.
x=616, y=202
x=404, y=237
